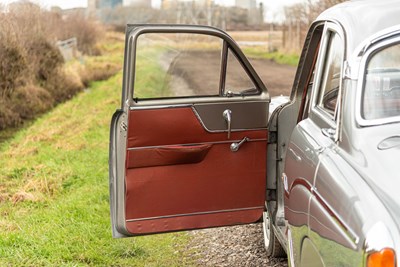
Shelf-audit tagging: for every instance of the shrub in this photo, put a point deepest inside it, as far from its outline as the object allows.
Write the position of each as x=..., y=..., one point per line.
x=88, y=32
x=8, y=117
x=33, y=76
x=12, y=67
x=30, y=101
x=98, y=72
x=61, y=87
x=47, y=59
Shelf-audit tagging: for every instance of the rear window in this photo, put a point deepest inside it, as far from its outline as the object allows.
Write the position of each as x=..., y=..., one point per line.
x=381, y=96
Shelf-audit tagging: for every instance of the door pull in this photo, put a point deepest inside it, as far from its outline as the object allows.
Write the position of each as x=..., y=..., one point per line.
x=227, y=114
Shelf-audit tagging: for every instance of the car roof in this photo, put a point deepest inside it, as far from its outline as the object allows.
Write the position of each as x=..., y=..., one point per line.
x=362, y=19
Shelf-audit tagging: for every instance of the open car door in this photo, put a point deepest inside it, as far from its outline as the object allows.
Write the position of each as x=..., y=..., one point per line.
x=188, y=145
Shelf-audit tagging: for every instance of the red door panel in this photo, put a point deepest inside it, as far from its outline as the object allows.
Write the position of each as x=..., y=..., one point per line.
x=179, y=176
x=174, y=126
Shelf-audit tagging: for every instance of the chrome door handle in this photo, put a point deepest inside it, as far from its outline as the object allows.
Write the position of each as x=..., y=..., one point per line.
x=227, y=114
x=235, y=146
x=328, y=132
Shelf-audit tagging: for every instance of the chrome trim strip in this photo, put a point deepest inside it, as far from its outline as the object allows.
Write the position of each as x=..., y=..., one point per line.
x=318, y=79
x=196, y=144
x=193, y=214
x=199, y=119
x=360, y=85
x=342, y=224
x=199, y=100
x=161, y=106
x=376, y=38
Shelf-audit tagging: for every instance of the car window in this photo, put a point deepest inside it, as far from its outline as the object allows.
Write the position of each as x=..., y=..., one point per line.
x=307, y=76
x=329, y=89
x=237, y=80
x=177, y=65
x=381, y=96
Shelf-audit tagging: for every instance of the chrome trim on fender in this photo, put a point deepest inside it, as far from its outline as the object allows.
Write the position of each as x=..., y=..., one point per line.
x=192, y=214
x=344, y=226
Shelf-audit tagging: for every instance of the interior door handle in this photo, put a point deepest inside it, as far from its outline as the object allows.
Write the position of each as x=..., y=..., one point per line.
x=227, y=114
x=235, y=146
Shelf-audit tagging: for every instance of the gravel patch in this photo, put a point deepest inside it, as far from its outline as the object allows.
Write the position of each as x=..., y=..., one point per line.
x=231, y=246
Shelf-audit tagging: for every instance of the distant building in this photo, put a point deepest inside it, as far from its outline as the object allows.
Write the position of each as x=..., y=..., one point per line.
x=100, y=4
x=95, y=5
x=167, y=4
x=138, y=3
x=246, y=4
x=91, y=8
x=108, y=3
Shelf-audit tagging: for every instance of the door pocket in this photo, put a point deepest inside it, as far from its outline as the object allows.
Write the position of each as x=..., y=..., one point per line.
x=164, y=156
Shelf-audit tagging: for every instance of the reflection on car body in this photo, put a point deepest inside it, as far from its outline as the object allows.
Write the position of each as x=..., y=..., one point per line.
x=318, y=167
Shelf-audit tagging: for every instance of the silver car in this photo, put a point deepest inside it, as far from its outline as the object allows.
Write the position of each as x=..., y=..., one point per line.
x=195, y=149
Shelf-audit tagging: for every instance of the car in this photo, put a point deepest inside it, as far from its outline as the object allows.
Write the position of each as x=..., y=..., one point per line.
x=195, y=143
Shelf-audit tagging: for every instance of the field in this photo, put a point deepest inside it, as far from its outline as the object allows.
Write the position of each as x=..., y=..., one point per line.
x=54, y=189
x=189, y=64
x=54, y=186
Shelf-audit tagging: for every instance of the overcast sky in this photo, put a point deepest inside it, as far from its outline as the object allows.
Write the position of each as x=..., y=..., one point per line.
x=272, y=7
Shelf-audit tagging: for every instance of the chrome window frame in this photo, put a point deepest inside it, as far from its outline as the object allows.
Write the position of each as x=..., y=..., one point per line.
x=334, y=121
x=372, y=50
x=228, y=43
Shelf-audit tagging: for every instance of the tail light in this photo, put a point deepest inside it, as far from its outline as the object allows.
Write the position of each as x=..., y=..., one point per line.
x=383, y=258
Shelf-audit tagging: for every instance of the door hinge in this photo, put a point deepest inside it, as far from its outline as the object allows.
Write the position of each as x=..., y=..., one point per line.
x=271, y=195
x=272, y=137
x=124, y=127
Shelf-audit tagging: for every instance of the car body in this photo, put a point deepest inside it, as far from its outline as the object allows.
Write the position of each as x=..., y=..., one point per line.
x=321, y=169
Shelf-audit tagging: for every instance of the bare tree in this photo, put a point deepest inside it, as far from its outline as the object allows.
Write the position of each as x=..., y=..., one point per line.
x=298, y=18
x=316, y=7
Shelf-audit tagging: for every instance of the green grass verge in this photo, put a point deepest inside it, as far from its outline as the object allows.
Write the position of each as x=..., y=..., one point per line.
x=54, y=203
x=151, y=79
x=278, y=57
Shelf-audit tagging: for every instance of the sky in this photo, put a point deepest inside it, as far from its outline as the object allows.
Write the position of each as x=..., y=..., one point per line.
x=273, y=8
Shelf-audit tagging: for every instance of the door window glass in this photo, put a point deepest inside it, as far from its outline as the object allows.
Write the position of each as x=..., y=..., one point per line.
x=237, y=81
x=331, y=74
x=177, y=65
x=381, y=97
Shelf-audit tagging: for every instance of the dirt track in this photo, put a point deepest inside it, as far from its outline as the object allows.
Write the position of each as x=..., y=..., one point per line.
x=238, y=245
x=278, y=78
x=201, y=70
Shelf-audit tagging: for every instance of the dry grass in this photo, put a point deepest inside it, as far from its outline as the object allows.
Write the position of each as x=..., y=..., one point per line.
x=98, y=71
x=33, y=75
x=87, y=31
x=256, y=36
x=54, y=204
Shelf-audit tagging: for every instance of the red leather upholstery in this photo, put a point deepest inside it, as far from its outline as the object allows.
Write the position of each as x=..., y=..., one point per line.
x=173, y=127
x=210, y=186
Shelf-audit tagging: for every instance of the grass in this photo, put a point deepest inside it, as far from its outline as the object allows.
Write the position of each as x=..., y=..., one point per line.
x=261, y=51
x=54, y=208
x=277, y=56
x=151, y=79
x=54, y=190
